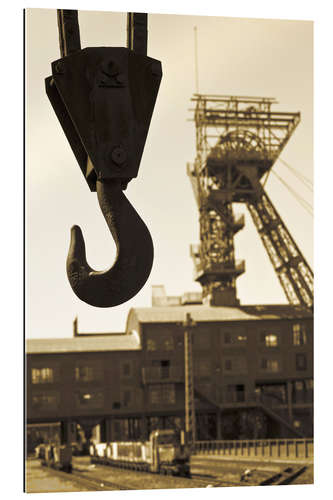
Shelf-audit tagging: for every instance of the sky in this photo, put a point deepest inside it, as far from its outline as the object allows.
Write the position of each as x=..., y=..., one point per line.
x=271, y=58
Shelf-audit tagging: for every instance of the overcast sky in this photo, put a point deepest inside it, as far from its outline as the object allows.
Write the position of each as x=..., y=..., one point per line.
x=235, y=56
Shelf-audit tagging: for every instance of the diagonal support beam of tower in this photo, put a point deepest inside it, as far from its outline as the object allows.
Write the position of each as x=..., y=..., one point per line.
x=238, y=139
x=294, y=273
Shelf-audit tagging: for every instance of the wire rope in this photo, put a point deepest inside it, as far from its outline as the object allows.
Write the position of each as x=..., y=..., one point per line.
x=305, y=204
x=299, y=175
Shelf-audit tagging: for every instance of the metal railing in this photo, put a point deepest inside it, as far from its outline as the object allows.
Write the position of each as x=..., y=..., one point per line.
x=292, y=449
x=203, y=263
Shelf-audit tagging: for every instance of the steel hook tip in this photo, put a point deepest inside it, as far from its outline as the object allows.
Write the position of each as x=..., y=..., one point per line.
x=134, y=259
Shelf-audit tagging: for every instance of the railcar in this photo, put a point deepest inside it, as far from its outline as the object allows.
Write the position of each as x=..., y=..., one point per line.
x=162, y=453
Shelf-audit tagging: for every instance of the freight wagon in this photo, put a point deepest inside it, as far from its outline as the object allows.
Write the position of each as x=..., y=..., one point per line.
x=163, y=454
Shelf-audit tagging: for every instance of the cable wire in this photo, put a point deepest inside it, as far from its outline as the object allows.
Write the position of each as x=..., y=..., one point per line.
x=305, y=204
x=299, y=175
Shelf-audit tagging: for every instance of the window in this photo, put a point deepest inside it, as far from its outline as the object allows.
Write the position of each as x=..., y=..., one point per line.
x=234, y=338
x=309, y=384
x=42, y=375
x=272, y=393
x=269, y=339
x=45, y=401
x=88, y=371
x=161, y=343
x=299, y=391
x=235, y=393
x=151, y=345
x=162, y=394
x=227, y=338
x=299, y=385
x=91, y=399
x=235, y=365
x=270, y=365
x=299, y=334
x=167, y=343
x=163, y=367
x=300, y=362
x=84, y=374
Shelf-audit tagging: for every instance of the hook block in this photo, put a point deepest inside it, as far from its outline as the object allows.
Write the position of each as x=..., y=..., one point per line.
x=104, y=98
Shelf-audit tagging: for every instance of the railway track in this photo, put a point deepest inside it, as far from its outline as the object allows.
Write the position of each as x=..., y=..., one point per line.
x=286, y=476
x=200, y=480
x=94, y=482
x=90, y=482
x=204, y=480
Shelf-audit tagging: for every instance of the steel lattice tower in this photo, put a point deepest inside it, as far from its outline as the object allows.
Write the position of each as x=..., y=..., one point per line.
x=238, y=139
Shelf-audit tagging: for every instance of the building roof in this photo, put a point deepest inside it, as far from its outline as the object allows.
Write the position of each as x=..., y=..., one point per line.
x=202, y=313
x=92, y=343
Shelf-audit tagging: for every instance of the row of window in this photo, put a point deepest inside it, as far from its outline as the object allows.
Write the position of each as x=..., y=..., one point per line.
x=165, y=394
x=42, y=375
x=202, y=368
x=88, y=399
x=159, y=394
x=272, y=394
x=238, y=365
x=202, y=341
x=83, y=373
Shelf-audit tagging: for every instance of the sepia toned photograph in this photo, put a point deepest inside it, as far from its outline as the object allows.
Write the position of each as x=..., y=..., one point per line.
x=168, y=251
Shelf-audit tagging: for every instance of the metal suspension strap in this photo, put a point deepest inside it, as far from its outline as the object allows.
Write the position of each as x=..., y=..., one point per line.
x=69, y=32
x=137, y=32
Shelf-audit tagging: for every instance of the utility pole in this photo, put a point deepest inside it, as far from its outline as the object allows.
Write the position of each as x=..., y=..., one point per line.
x=190, y=429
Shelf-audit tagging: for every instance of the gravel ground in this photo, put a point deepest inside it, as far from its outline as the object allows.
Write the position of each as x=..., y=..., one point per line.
x=42, y=480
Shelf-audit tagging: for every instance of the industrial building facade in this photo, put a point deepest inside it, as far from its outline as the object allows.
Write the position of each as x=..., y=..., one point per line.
x=253, y=374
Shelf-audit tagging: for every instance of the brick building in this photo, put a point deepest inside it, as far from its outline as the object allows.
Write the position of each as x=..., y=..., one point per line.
x=253, y=373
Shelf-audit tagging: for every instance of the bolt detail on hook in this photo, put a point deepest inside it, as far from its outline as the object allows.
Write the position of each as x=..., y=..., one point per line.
x=104, y=99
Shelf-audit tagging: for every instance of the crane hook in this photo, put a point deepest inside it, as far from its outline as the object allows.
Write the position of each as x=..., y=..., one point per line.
x=134, y=252
x=104, y=99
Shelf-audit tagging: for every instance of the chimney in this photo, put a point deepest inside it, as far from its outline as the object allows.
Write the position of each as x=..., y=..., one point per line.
x=75, y=333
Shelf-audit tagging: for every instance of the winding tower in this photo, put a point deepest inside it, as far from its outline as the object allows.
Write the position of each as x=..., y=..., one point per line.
x=238, y=140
